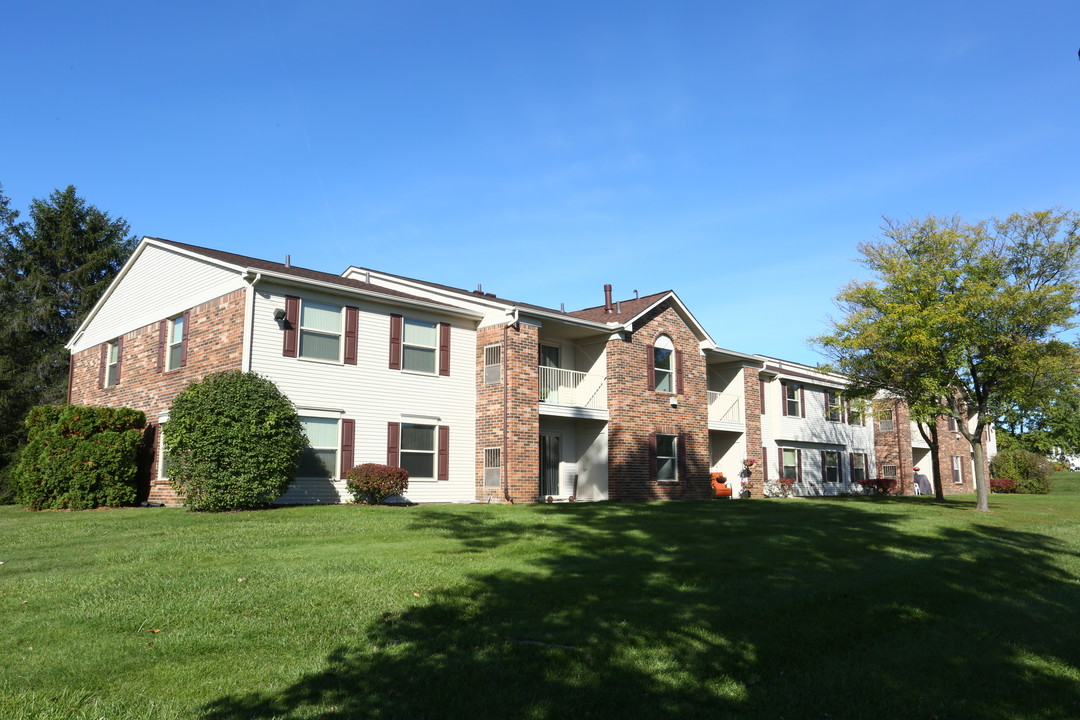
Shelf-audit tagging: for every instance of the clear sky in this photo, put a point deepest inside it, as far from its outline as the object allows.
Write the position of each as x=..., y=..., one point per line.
x=734, y=152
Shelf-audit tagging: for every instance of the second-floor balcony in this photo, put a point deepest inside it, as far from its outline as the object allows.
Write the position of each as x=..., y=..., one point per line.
x=572, y=389
x=725, y=409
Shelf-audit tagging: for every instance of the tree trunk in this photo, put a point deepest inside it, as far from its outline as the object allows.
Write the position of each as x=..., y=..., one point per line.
x=982, y=496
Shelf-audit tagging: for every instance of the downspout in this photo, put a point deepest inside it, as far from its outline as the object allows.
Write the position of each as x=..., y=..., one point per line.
x=249, y=320
x=899, y=447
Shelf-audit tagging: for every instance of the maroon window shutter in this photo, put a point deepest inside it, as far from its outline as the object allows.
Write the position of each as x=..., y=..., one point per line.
x=680, y=456
x=764, y=463
x=851, y=462
x=798, y=465
x=162, y=329
x=761, y=395
x=651, y=382
x=393, y=444
x=119, y=357
x=348, y=443
x=444, y=454
x=866, y=465
x=352, y=324
x=652, y=452
x=678, y=372
x=292, y=322
x=444, y=348
x=783, y=397
x=184, y=337
x=101, y=367
x=780, y=462
x=802, y=402
x=395, y=342
x=824, y=475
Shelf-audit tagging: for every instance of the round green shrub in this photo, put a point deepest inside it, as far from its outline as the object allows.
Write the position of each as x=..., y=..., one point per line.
x=372, y=483
x=233, y=441
x=1030, y=471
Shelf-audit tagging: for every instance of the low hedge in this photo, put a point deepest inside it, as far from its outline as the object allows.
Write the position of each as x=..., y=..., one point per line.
x=372, y=483
x=79, y=457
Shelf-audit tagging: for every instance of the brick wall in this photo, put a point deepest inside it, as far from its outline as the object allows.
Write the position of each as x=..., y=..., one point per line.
x=636, y=411
x=893, y=447
x=952, y=443
x=752, y=399
x=519, y=387
x=215, y=344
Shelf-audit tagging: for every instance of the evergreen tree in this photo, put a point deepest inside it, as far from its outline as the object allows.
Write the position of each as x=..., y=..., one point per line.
x=53, y=268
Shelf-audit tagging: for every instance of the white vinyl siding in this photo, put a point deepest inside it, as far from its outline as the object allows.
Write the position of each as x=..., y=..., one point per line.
x=158, y=284
x=373, y=396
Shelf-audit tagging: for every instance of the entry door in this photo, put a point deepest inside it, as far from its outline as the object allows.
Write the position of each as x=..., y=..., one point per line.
x=550, y=455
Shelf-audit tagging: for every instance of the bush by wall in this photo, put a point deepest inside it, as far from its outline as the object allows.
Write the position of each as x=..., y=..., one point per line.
x=79, y=457
x=879, y=486
x=372, y=483
x=1030, y=471
x=1002, y=485
x=232, y=442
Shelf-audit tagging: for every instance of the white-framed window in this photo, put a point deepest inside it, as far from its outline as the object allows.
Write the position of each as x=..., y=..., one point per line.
x=664, y=365
x=321, y=330
x=492, y=467
x=419, y=345
x=793, y=400
x=831, y=466
x=174, y=343
x=418, y=450
x=957, y=469
x=855, y=414
x=492, y=364
x=790, y=464
x=112, y=363
x=320, y=457
x=886, y=420
x=858, y=467
x=835, y=406
x=667, y=457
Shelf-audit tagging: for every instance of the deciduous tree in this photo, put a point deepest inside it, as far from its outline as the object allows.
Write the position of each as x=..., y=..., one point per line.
x=960, y=317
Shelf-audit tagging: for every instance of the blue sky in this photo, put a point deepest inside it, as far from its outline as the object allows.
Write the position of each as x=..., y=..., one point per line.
x=734, y=152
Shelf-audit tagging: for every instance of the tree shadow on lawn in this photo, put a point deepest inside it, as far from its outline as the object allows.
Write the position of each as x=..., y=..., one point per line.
x=760, y=609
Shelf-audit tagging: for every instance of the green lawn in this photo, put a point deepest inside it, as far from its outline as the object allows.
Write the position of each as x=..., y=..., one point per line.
x=855, y=608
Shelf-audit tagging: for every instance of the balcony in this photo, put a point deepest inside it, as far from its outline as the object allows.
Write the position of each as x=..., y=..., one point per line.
x=725, y=411
x=572, y=394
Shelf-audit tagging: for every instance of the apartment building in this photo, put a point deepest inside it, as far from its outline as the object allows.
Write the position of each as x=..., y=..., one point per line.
x=481, y=398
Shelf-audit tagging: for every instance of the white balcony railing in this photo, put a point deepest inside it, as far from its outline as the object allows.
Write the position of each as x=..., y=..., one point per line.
x=573, y=388
x=725, y=408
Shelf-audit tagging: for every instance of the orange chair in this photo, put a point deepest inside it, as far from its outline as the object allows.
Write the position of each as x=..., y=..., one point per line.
x=720, y=489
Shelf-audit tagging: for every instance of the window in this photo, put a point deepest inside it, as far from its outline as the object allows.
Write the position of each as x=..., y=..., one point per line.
x=957, y=469
x=792, y=399
x=175, y=343
x=112, y=363
x=418, y=450
x=492, y=467
x=888, y=471
x=789, y=464
x=835, y=406
x=886, y=422
x=492, y=364
x=855, y=414
x=830, y=466
x=419, y=344
x=320, y=331
x=952, y=424
x=667, y=457
x=664, y=365
x=319, y=458
x=858, y=467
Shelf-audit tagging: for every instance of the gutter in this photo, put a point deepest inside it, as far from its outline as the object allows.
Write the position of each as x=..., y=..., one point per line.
x=249, y=318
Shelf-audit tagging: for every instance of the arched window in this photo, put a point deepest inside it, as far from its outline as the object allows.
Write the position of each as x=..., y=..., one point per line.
x=664, y=365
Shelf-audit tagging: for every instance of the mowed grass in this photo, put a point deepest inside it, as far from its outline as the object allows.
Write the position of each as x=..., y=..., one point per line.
x=852, y=608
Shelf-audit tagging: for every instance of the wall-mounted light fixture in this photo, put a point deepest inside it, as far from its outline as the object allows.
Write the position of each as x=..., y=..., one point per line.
x=674, y=401
x=279, y=314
